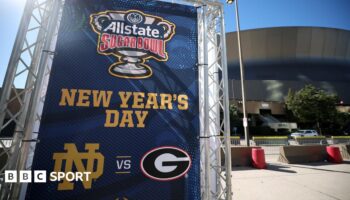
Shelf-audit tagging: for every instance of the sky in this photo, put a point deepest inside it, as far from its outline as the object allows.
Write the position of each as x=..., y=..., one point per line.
x=253, y=14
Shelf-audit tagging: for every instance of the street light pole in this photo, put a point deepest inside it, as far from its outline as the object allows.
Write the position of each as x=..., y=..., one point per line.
x=241, y=66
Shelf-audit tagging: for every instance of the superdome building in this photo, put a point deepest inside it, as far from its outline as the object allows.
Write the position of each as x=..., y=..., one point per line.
x=279, y=59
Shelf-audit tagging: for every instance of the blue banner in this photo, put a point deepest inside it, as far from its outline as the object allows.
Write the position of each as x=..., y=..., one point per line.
x=121, y=115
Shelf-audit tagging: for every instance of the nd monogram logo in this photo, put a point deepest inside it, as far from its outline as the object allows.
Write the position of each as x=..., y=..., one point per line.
x=72, y=156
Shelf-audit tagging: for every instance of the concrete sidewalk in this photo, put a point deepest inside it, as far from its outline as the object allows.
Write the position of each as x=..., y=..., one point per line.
x=314, y=181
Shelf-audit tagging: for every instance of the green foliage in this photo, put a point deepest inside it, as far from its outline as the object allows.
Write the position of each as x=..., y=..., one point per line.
x=342, y=119
x=234, y=112
x=235, y=119
x=312, y=105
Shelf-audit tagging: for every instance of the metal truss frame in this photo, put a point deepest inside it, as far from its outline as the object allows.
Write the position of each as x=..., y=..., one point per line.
x=215, y=146
x=214, y=104
x=31, y=60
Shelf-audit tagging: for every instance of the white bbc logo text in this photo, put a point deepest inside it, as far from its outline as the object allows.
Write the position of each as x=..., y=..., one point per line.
x=25, y=176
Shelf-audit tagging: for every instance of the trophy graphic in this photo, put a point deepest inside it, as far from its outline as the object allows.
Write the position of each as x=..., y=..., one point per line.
x=133, y=37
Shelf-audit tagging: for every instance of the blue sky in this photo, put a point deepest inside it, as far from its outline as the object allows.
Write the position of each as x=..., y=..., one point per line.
x=253, y=14
x=275, y=13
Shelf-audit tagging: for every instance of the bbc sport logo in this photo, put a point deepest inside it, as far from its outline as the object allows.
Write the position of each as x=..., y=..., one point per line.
x=88, y=172
x=40, y=176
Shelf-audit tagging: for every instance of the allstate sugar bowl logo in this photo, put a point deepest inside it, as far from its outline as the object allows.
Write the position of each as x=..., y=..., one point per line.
x=133, y=37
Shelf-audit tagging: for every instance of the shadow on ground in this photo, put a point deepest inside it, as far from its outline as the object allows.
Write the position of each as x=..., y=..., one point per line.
x=270, y=167
x=314, y=166
x=279, y=168
x=286, y=167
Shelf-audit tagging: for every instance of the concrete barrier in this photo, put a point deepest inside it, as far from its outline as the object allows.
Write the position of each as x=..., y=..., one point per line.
x=344, y=150
x=240, y=156
x=302, y=154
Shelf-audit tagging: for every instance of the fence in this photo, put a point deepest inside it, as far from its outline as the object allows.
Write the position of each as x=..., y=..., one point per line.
x=340, y=139
x=235, y=140
x=311, y=140
x=270, y=141
x=270, y=144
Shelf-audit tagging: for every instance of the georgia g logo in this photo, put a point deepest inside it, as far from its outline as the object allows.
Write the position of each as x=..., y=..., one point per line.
x=165, y=163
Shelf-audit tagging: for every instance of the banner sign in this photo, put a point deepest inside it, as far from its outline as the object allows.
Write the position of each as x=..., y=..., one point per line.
x=121, y=114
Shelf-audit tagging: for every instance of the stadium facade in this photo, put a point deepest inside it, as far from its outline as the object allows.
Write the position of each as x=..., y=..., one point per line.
x=283, y=58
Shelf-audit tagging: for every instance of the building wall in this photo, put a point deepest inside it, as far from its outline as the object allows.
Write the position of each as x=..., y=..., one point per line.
x=277, y=90
x=279, y=59
x=255, y=107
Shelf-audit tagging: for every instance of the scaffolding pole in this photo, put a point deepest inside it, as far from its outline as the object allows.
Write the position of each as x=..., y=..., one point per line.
x=214, y=103
x=25, y=65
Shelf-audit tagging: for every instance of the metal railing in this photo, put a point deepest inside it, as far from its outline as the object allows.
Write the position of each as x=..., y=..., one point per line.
x=272, y=144
x=340, y=140
x=306, y=140
x=234, y=140
x=270, y=141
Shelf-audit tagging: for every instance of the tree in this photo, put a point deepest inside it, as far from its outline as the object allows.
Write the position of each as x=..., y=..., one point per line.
x=342, y=121
x=235, y=119
x=312, y=105
x=234, y=112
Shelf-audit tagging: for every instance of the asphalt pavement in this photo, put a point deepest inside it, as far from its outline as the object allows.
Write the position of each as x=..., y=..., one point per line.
x=313, y=181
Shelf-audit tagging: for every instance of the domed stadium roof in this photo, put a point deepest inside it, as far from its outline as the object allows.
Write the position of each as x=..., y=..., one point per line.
x=292, y=57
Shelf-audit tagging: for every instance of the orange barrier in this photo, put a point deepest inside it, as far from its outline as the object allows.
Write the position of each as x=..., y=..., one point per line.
x=240, y=156
x=258, y=158
x=334, y=154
